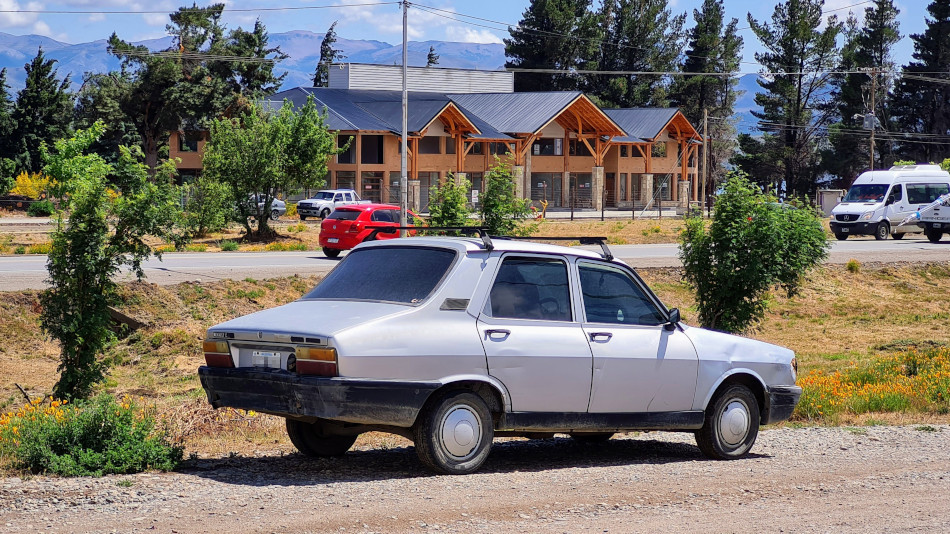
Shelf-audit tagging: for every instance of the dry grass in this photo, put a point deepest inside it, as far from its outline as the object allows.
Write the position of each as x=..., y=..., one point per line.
x=840, y=317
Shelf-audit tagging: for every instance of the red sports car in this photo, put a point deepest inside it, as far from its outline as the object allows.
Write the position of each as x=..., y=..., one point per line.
x=347, y=226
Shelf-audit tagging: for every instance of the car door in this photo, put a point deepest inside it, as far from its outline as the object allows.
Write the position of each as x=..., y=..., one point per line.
x=898, y=208
x=639, y=365
x=533, y=343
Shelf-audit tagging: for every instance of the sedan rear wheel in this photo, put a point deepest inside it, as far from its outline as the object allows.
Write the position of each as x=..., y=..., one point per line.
x=731, y=425
x=311, y=439
x=454, y=434
x=330, y=252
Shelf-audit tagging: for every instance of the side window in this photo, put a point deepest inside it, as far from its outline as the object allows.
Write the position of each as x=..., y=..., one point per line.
x=530, y=288
x=612, y=296
x=337, y=197
x=382, y=216
x=897, y=193
x=925, y=193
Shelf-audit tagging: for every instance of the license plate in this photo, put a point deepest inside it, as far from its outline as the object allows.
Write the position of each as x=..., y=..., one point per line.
x=845, y=230
x=333, y=240
x=936, y=225
x=265, y=359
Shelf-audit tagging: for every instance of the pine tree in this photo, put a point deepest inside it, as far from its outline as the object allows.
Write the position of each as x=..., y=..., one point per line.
x=921, y=101
x=328, y=55
x=795, y=105
x=6, y=119
x=42, y=113
x=866, y=47
x=639, y=35
x=252, y=79
x=714, y=48
x=553, y=34
x=433, y=58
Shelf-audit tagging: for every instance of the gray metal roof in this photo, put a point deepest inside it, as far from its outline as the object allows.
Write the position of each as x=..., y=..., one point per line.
x=642, y=123
x=516, y=112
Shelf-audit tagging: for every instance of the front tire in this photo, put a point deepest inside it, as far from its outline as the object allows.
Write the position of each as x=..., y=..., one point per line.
x=841, y=237
x=883, y=230
x=303, y=217
x=311, y=439
x=454, y=434
x=731, y=425
x=331, y=252
x=325, y=213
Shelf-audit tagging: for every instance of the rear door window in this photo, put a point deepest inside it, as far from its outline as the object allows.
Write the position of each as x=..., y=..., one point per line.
x=612, y=296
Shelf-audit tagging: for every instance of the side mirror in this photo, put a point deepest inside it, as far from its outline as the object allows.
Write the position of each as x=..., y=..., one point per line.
x=674, y=320
x=889, y=201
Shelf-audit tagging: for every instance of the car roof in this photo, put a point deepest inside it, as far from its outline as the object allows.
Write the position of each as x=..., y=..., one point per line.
x=473, y=245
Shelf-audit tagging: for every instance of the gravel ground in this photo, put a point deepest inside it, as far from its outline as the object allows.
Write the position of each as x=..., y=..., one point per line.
x=869, y=479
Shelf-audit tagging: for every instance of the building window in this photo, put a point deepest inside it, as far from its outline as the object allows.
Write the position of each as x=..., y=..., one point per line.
x=579, y=148
x=450, y=145
x=635, y=151
x=476, y=148
x=661, y=185
x=349, y=155
x=546, y=186
x=659, y=150
x=623, y=186
x=345, y=180
x=188, y=141
x=623, y=151
x=582, y=188
x=475, y=178
x=395, y=181
x=372, y=149
x=548, y=147
x=372, y=186
x=430, y=145
x=500, y=149
x=426, y=180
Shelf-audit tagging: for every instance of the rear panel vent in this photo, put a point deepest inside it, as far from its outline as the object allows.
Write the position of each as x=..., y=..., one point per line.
x=454, y=304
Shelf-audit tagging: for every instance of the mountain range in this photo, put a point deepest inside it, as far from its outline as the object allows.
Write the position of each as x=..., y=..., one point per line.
x=303, y=47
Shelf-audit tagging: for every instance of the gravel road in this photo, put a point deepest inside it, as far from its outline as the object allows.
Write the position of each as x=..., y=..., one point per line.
x=869, y=479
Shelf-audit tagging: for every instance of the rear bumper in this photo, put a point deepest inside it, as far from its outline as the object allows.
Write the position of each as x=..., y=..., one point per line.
x=351, y=400
x=782, y=402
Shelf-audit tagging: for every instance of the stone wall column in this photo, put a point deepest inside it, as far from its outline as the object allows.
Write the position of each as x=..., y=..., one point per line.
x=597, y=182
x=683, y=194
x=646, y=190
x=459, y=176
x=517, y=176
x=415, y=195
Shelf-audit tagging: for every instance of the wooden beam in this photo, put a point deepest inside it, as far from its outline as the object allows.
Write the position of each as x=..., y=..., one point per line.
x=459, y=154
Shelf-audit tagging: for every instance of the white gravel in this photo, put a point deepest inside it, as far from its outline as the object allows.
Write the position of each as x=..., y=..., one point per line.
x=869, y=479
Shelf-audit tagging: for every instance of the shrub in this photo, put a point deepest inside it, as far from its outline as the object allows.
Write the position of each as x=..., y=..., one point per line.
x=90, y=438
x=196, y=247
x=751, y=246
x=40, y=248
x=20, y=249
x=34, y=185
x=291, y=209
x=448, y=203
x=853, y=266
x=502, y=211
x=209, y=206
x=229, y=246
x=41, y=208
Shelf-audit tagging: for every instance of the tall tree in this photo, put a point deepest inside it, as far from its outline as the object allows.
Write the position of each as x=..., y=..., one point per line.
x=182, y=89
x=639, y=35
x=6, y=119
x=432, y=58
x=42, y=113
x=866, y=48
x=714, y=49
x=328, y=54
x=553, y=34
x=101, y=98
x=922, y=98
x=795, y=102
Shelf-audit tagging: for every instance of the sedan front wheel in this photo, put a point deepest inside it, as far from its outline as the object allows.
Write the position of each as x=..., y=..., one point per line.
x=731, y=425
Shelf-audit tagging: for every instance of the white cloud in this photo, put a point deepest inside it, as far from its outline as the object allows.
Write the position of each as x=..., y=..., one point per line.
x=42, y=28
x=155, y=19
x=96, y=17
x=10, y=19
x=461, y=34
x=387, y=20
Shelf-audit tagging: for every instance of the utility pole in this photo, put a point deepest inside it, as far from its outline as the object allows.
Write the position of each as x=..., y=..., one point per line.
x=403, y=179
x=873, y=118
x=705, y=159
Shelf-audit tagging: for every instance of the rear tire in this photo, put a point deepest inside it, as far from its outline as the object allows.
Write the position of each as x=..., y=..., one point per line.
x=331, y=252
x=454, y=434
x=933, y=236
x=882, y=231
x=898, y=236
x=311, y=440
x=731, y=425
x=303, y=217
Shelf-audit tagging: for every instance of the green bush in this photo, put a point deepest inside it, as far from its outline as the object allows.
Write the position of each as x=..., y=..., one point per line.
x=502, y=211
x=100, y=436
x=41, y=208
x=448, y=203
x=209, y=206
x=229, y=246
x=752, y=246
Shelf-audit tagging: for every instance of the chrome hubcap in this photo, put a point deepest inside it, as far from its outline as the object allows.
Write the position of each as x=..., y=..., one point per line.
x=734, y=423
x=460, y=431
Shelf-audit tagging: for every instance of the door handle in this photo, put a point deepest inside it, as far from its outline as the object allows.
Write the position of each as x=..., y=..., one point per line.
x=600, y=336
x=500, y=332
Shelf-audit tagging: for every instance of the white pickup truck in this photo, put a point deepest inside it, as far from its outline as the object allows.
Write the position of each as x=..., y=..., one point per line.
x=327, y=200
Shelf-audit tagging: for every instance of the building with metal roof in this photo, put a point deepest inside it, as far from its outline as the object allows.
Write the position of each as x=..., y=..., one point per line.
x=562, y=149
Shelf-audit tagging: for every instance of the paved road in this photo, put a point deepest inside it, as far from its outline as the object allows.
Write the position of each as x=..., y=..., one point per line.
x=29, y=272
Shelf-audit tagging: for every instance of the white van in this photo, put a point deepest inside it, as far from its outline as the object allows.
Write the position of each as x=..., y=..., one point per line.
x=878, y=201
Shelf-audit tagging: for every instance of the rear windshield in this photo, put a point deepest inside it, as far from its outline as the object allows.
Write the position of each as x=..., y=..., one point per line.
x=406, y=275
x=346, y=215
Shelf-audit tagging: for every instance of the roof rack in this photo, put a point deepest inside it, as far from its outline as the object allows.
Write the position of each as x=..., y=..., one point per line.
x=482, y=233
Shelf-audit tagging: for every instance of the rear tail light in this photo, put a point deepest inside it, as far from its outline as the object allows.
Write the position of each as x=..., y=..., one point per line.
x=217, y=354
x=316, y=361
x=355, y=228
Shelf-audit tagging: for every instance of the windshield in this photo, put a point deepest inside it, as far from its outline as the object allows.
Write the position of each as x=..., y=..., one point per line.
x=406, y=275
x=323, y=195
x=866, y=193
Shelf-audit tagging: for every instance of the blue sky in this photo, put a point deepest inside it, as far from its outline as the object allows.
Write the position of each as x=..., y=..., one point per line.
x=365, y=19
